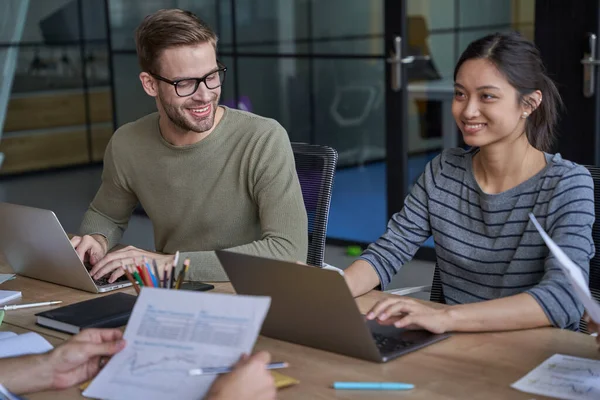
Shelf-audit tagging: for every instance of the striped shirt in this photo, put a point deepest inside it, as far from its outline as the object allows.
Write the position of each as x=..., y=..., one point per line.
x=485, y=244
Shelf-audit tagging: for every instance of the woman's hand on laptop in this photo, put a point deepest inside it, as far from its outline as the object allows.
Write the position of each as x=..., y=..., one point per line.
x=113, y=262
x=410, y=314
x=90, y=248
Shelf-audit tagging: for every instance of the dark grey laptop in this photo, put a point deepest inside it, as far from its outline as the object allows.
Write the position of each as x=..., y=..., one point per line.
x=35, y=245
x=314, y=307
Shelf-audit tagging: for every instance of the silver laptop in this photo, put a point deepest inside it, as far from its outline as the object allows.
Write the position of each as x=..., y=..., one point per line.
x=314, y=307
x=35, y=245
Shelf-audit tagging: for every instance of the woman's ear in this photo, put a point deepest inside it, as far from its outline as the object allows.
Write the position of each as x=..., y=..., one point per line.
x=531, y=102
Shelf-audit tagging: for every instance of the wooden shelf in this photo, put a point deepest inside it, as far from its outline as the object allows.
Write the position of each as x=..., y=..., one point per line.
x=48, y=130
x=41, y=111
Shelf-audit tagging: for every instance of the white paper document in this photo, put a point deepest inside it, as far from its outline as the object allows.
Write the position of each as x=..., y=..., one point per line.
x=6, y=335
x=563, y=377
x=6, y=277
x=13, y=345
x=172, y=331
x=573, y=273
x=6, y=296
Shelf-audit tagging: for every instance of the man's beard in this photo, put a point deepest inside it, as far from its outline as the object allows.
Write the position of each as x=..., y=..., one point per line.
x=179, y=116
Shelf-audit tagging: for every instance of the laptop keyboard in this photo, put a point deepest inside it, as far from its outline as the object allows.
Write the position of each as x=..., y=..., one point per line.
x=104, y=280
x=387, y=344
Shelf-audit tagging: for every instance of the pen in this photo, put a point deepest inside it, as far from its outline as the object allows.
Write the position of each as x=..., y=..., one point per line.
x=373, y=385
x=225, y=370
x=137, y=277
x=172, y=274
x=153, y=278
x=155, y=266
x=171, y=278
x=181, y=276
x=17, y=306
x=142, y=274
x=146, y=275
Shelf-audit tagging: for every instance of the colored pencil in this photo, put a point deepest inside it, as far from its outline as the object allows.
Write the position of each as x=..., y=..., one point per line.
x=130, y=278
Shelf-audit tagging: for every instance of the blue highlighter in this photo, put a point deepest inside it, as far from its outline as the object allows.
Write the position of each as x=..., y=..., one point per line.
x=373, y=386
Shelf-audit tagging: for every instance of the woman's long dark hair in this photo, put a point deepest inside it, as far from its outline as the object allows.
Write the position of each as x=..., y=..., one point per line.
x=519, y=60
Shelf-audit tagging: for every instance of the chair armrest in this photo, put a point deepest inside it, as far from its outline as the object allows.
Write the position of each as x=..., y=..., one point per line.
x=409, y=290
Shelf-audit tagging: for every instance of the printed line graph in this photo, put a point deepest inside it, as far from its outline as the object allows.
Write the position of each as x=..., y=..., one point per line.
x=578, y=371
x=162, y=370
x=565, y=377
x=155, y=371
x=175, y=364
x=564, y=388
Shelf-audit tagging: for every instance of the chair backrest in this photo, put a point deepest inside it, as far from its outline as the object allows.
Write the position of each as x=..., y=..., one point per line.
x=594, y=262
x=315, y=166
x=437, y=293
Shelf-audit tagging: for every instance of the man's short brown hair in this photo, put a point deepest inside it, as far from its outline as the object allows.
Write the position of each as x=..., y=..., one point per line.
x=169, y=28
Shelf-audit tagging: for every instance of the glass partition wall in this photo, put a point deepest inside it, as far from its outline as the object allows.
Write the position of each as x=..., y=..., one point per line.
x=318, y=67
x=59, y=110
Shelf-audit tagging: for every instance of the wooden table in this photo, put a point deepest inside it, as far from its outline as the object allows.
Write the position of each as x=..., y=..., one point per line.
x=465, y=366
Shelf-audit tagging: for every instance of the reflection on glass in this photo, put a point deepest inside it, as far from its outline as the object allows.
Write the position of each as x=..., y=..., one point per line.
x=227, y=90
x=371, y=46
x=349, y=109
x=48, y=68
x=353, y=19
x=279, y=89
x=480, y=13
x=292, y=26
x=131, y=100
x=270, y=22
x=126, y=15
x=438, y=14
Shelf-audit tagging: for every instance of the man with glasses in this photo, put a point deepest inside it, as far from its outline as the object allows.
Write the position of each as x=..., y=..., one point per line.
x=209, y=177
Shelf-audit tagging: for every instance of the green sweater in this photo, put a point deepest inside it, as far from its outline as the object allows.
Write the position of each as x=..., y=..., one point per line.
x=237, y=189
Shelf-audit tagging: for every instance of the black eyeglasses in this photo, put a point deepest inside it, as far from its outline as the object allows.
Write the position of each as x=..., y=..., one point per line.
x=187, y=87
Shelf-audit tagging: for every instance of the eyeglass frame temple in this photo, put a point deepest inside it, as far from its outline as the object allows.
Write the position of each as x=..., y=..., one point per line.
x=222, y=68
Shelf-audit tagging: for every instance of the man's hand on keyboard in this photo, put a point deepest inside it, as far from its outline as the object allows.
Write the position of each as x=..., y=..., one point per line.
x=90, y=248
x=113, y=262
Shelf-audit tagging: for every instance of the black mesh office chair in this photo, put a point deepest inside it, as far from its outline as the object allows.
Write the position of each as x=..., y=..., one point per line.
x=594, y=262
x=315, y=166
x=437, y=292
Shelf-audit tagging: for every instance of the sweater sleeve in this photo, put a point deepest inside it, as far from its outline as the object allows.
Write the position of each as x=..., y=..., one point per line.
x=276, y=191
x=406, y=231
x=109, y=212
x=569, y=222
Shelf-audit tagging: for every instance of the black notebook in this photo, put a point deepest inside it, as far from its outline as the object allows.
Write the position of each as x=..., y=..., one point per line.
x=108, y=311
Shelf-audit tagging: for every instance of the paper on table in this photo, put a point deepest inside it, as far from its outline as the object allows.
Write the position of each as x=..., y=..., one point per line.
x=27, y=343
x=170, y=332
x=573, y=273
x=6, y=277
x=563, y=377
x=6, y=335
x=7, y=296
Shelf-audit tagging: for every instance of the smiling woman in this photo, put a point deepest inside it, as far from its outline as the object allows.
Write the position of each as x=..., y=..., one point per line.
x=494, y=268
